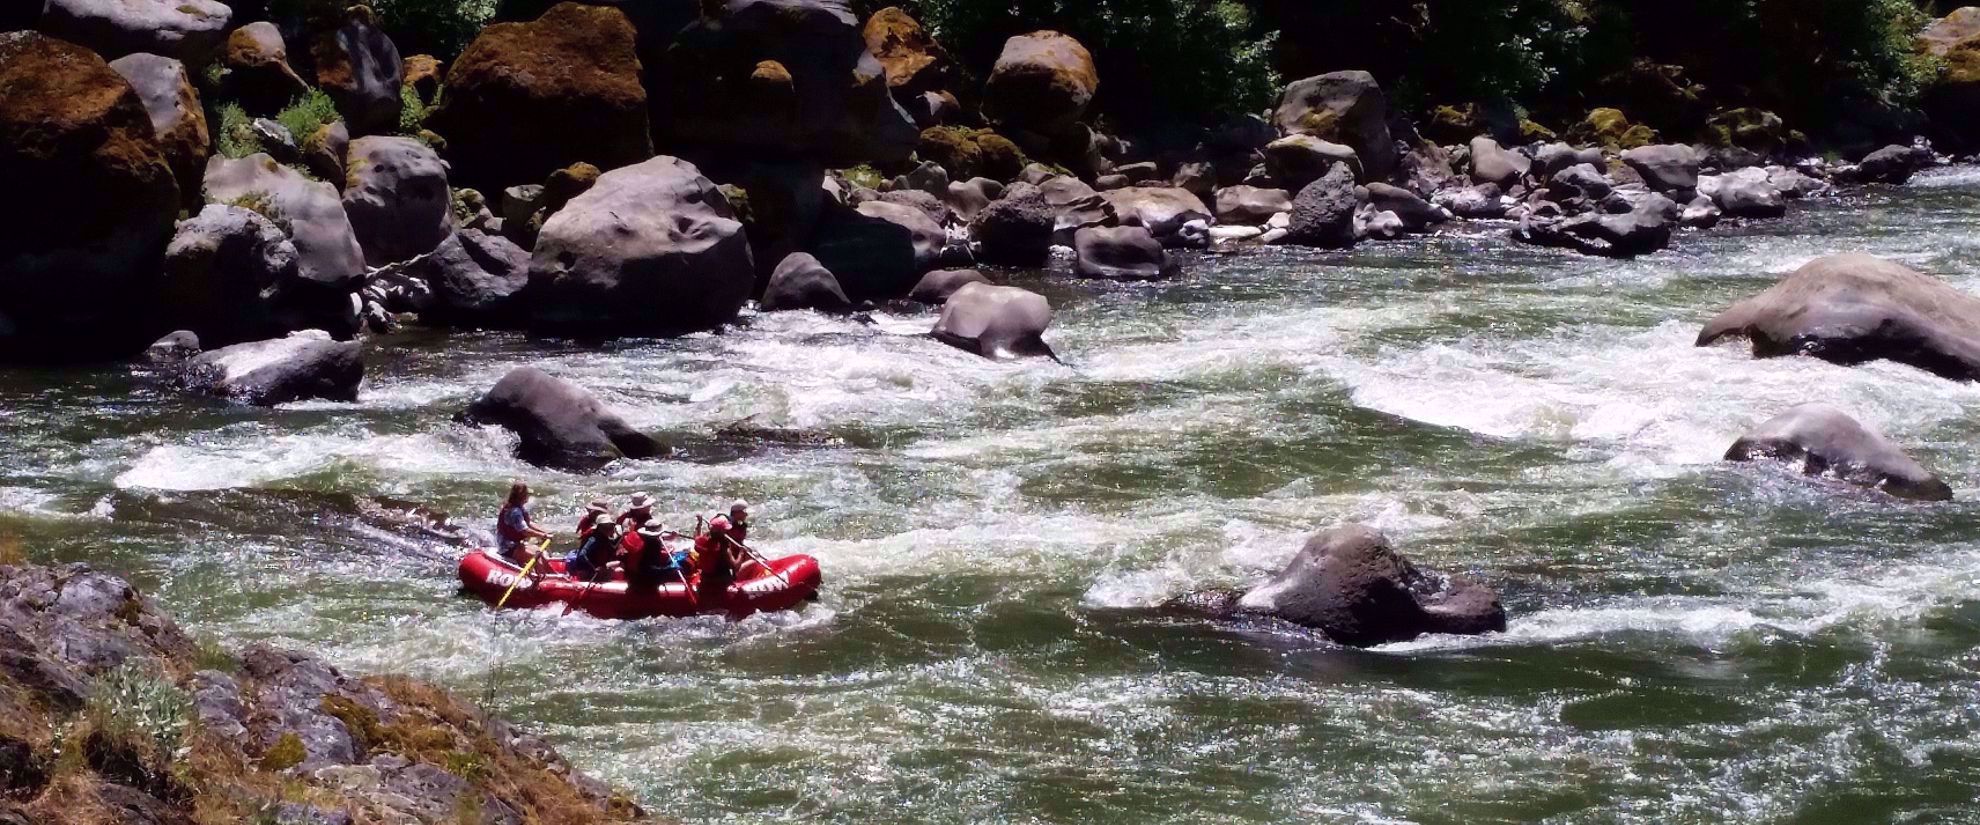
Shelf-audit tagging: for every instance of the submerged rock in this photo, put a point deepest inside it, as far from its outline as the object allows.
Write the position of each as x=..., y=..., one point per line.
x=1853, y=308
x=560, y=424
x=995, y=321
x=801, y=282
x=304, y=365
x=1825, y=441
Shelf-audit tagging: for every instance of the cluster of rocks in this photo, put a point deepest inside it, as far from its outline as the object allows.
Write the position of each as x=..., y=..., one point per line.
x=158, y=728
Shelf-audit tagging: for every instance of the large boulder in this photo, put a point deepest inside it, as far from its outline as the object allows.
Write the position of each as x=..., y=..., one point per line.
x=1647, y=227
x=1350, y=584
x=311, y=212
x=258, y=72
x=232, y=275
x=971, y=153
x=915, y=64
x=995, y=321
x=801, y=282
x=1323, y=212
x=1892, y=164
x=173, y=104
x=650, y=249
x=1017, y=228
x=1827, y=442
x=879, y=248
x=1294, y=161
x=1491, y=163
x=473, y=280
x=396, y=194
x=1042, y=82
x=1953, y=98
x=782, y=78
x=1251, y=205
x=1853, y=308
x=1670, y=167
x=1746, y=193
x=1343, y=107
x=573, y=68
x=936, y=287
x=189, y=31
x=92, y=205
x=1162, y=210
x=1120, y=253
x=357, y=65
x=559, y=424
x=304, y=365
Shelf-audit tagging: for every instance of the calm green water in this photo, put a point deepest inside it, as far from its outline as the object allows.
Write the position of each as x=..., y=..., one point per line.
x=1690, y=641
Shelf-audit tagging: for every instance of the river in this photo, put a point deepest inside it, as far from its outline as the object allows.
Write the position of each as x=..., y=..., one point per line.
x=1689, y=640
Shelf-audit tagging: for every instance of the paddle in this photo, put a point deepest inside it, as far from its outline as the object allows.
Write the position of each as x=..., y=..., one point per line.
x=542, y=547
x=759, y=560
x=587, y=589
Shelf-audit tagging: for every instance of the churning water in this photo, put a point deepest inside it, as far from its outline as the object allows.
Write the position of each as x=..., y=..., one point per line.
x=1690, y=641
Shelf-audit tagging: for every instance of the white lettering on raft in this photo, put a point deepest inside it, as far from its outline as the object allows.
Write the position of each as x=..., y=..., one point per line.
x=501, y=578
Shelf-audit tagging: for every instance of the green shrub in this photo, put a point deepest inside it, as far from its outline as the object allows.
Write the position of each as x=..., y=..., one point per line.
x=233, y=132
x=134, y=703
x=413, y=111
x=304, y=115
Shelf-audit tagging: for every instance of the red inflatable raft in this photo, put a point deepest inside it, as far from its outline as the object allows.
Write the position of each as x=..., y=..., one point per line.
x=795, y=581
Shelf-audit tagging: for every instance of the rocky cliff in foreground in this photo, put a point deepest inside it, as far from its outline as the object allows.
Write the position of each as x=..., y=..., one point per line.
x=110, y=713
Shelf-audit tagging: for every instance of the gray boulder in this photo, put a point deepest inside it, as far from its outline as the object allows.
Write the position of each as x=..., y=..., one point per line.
x=1017, y=228
x=1892, y=164
x=231, y=275
x=357, y=65
x=1483, y=202
x=176, y=116
x=929, y=205
x=310, y=211
x=1323, y=213
x=967, y=199
x=189, y=31
x=559, y=424
x=997, y=322
x=1701, y=213
x=880, y=247
x=1379, y=225
x=1746, y=193
x=1121, y=253
x=1794, y=184
x=1343, y=107
x=1554, y=157
x=474, y=280
x=1582, y=180
x=1671, y=167
x=1297, y=160
x=936, y=287
x=1415, y=213
x=1042, y=82
x=397, y=198
x=1644, y=229
x=258, y=72
x=323, y=153
x=1853, y=308
x=650, y=249
x=1491, y=163
x=1251, y=205
x=1162, y=210
x=307, y=364
x=1827, y=442
x=1350, y=584
x=801, y=282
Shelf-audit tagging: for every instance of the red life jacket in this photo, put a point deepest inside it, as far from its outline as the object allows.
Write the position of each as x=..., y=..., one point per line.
x=503, y=531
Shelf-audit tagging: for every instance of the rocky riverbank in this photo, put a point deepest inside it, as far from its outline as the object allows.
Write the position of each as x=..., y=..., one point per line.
x=114, y=714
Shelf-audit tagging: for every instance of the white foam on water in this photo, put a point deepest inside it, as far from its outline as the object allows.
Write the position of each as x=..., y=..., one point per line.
x=250, y=455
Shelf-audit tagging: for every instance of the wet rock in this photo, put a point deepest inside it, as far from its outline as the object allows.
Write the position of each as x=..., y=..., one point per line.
x=1163, y=211
x=1646, y=228
x=1350, y=584
x=1415, y=214
x=232, y=275
x=560, y=424
x=1380, y=225
x=1323, y=212
x=1825, y=441
x=1297, y=160
x=176, y=116
x=1853, y=308
x=801, y=282
x=1483, y=202
x=304, y=365
x=397, y=198
x=936, y=287
x=169, y=353
x=189, y=31
x=1251, y=205
x=1747, y=193
x=782, y=77
x=882, y=248
x=1017, y=228
x=1042, y=82
x=1666, y=167
x=648, y=235
x=473, y=280
x=1493, y=164
x=1700, y=213
x=1892, y=164
x=1344, y=107
x=258, y=73
x=311, y=212
x=1794, y=185
x=995, y=321
x=575, y=65
x=357, y=65
x=1123, y=253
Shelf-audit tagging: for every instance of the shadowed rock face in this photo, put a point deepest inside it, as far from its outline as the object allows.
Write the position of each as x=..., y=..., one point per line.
x=1343, y=107
x=306, y=364
x=1827, y=442
x=1853, y=308
x=1042, y=82
x=560, y=424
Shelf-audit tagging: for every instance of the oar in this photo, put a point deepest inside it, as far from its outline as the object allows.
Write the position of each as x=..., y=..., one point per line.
x=759, y=560
x=541, y=548
x=587, y=589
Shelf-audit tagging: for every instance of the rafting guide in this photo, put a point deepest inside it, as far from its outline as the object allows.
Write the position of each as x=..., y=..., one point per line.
x=624, y=567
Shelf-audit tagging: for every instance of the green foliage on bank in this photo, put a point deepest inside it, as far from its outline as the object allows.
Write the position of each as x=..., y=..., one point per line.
x=442, y=28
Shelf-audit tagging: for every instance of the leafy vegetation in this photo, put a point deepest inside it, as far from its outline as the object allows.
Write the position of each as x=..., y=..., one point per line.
x=413, y=110
x=140, y=705
x=306, y=114
x=233, y=131
x=438, y=27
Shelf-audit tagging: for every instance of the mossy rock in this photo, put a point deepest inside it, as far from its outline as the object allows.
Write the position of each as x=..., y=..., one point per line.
x=970, y=153
x=1747, y=127
x=1610, y=129
x=286, y=753
x=1532, y=132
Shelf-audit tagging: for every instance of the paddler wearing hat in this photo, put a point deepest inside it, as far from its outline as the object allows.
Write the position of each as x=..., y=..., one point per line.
x=595, y=513
x=639, y=511
x=643, y=554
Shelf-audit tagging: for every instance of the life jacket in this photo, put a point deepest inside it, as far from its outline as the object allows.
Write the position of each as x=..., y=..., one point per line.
x=509, y=536
x=588, y=523
x=714, y=559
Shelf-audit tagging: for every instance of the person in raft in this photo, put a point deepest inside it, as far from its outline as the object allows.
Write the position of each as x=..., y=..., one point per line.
x=739, y=521
x=595, y=553
x=594, y=515
x=638, y=514
x=514, y=527
x=718, y=555
x=644, y=556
